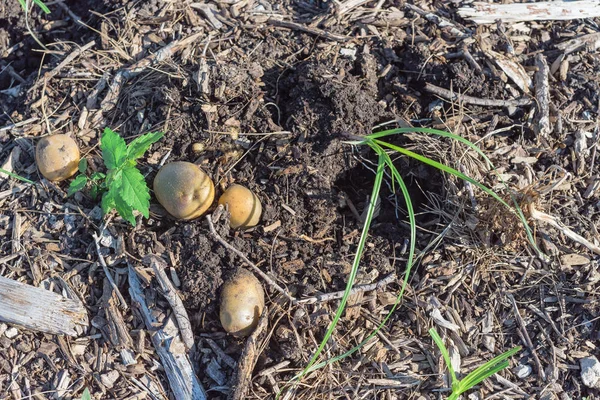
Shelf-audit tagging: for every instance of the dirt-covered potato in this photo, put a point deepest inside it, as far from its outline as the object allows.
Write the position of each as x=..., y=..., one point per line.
x=57, y=157
x=244, y=206
x=242, y=303
x=184, y=190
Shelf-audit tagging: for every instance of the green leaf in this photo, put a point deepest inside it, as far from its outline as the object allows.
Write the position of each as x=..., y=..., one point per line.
x=134, y=190
x=83, y=164
x=96, y=176
x=114, y=149
x=124, y=209
x=108, y=201
x=140, y=145
x=86, y=394
x=77, y=184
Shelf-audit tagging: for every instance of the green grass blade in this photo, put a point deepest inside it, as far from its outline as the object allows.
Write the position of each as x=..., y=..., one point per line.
x=473, y=381
x=474, y=147
x=443, y=167
x=396, y=176
x=355, y=265
x=489, y=368
x=440, y=344
x=13, y=175
x=43, y=6
x=413, y=238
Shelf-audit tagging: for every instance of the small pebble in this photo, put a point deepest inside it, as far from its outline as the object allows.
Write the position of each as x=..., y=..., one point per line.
x=198, y=147
x=590, y=372
x=523, y=370
x=11, y=333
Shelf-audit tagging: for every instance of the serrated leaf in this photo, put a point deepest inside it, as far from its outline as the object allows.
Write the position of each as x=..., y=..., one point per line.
x=77, y=184
x=124, y=209
x=83, y=164
x=134, y=190
x=108, y=202
x=140, y=145
x=114, y=149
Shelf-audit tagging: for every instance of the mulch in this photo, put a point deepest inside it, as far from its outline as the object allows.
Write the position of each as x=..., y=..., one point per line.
x=262, y=93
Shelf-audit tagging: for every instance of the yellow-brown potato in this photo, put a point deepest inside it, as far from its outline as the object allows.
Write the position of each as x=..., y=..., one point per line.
x=184, y=190
x=244, y=206
x=242, y=303
x=57, y=157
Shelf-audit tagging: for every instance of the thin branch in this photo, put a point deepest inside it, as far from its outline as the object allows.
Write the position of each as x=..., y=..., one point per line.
x=450, y=95
x=266, y=277
x=553, y=221
x=122, y=302
x=357, y=289
x=170, y=293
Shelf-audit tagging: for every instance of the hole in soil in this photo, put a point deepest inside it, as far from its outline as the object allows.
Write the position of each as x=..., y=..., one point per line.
x=357, y=184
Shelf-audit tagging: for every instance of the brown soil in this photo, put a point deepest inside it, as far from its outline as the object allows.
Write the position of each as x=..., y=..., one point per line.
x=272, y=117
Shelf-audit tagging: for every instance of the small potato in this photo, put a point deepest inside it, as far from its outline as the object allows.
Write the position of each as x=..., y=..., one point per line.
x=184, y=190
x=244, y=206
x=57, y=157
x=242, y=303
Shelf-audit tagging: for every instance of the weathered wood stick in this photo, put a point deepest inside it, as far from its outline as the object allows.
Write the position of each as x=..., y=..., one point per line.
x=542, y=94
x=39, y=309
x=450, y=95
x=242, y=378
x=168, y=345
x=486, y=13
x=170, y=293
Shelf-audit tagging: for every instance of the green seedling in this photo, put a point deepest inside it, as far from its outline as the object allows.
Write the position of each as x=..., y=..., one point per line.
x=122, y=187
x=474, y=378
x=25, y=5
x=39, y=3
x=382, y=149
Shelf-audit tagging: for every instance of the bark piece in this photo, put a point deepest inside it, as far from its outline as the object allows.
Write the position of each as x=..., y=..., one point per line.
x=40, y=310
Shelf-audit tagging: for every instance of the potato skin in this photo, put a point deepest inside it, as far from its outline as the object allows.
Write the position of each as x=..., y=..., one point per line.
x=57, y=157
x=244, y=206
x=184, y=190
x=242, y=303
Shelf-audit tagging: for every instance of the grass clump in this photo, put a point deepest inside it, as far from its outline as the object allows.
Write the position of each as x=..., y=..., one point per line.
x=383, y=149
x=476, y=376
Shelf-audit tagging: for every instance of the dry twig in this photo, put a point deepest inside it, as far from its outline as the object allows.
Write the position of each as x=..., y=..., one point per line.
x=450, y=95
x=170, y=293
x=542, y=94
x=357, y=289
x=242, y=377
x=313, y=31
x=124, y=74
x=122, y=301
x=553, y=221
x=266, y=277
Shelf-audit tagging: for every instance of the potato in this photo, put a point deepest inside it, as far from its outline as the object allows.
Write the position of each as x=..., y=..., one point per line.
x=184, y=190
x=242, y=303
x=244, y=206
x=57, y=157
